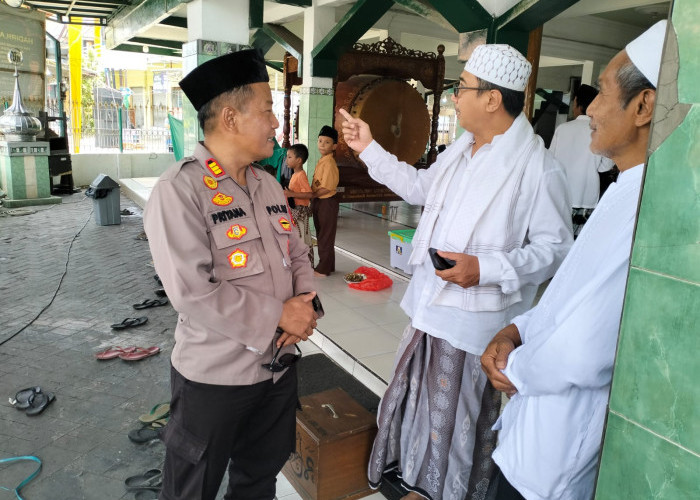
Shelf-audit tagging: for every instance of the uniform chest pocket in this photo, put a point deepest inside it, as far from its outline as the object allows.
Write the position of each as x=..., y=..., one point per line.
x=236, y=249
x=284, y=228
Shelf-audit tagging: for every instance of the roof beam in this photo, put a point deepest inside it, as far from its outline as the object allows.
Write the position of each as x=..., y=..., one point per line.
x=176, y=22
x=124, y=47
x=464, y=15
x=152, y=42
x=296, y=3
x=530, y=14
x=129, y=23
x=288, y=40
x=361, y=17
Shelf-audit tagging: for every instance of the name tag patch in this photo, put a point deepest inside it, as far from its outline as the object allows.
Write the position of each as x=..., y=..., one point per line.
x=214, y=167
x=227, y=215
x=236, y=232
x=238, y=258
x=222, y=200
x=210, y=182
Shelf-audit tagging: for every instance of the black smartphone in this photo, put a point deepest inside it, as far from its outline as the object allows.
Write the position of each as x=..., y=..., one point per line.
x=440, y=263
x=318, y=308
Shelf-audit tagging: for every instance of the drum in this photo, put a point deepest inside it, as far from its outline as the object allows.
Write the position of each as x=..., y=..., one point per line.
x=395, y=112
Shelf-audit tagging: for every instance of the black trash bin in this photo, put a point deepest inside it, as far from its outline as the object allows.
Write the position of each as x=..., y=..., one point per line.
x=104, y=192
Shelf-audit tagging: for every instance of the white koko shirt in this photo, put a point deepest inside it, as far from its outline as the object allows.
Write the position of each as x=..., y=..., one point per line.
x=551, y=430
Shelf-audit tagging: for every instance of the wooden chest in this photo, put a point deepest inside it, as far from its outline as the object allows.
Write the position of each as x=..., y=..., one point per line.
x=334, y=440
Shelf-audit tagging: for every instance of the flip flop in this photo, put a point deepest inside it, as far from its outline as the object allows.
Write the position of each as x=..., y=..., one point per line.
x=140, y=353
x=157, y=424
x=114, y=352
x=158, y=412
x=157, y=278
x=129, y=322
x=40, y=402
x=160, y=292
x=151, y=479
x=23, y=398
x=151, y=303
x=144, y=435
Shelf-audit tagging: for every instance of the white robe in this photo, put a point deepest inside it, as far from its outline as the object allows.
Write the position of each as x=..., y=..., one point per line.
x=551, y=430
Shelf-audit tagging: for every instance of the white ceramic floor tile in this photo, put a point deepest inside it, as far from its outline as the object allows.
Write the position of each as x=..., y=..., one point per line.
x=367, y=342
x=344, y=321
x=396, y=329
x=382, y=365
x=382, y=314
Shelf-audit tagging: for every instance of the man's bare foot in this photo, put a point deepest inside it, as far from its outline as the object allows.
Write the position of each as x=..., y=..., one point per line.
x=412, y=495
x=319, y=275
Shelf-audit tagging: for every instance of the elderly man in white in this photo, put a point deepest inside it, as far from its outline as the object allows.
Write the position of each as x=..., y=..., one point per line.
x=556, y=360
x=496, y=203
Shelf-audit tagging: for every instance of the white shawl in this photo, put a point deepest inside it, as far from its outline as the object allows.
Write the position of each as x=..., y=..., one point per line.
x=484, y=223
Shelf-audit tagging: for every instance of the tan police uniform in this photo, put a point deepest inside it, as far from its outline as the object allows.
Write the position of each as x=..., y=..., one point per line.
x=228, y=257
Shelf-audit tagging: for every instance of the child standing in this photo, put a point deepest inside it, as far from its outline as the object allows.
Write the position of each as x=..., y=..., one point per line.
x=300, y=190
x=324, y=206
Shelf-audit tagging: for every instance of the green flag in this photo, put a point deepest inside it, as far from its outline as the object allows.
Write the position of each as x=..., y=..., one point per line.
x=177, y=136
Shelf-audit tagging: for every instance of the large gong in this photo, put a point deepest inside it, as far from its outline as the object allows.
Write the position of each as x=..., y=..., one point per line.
x=395, y=112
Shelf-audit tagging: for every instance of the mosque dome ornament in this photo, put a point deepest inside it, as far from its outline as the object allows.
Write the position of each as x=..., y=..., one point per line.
x=17, y=124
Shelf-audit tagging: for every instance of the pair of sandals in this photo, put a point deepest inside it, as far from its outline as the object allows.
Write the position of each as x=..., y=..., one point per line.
x=33, y=400
x=146, y=486
x=131, y=353
x=153, y=424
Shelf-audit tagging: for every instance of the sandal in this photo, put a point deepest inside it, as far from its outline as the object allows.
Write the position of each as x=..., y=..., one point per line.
x=23, y=398
x=39, y=403
x=140, y=353
x=152, y=478
x=144, y=435
x=113, y=352
x=159, y=411
x=151, y=303
x=129, y=322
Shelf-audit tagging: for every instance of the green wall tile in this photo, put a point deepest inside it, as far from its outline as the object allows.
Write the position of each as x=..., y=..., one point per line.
x=656, y=370
x=668, y=233
x=42, y=177
x=639, y=465
x=685, y=20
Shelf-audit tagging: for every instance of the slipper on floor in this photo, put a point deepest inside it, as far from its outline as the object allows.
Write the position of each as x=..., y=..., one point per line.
x=114, y=352
x=144, y=435
x=151, y=303
x=126, y=211
x=129, y=322
x=141, y=236
x=157, y=424
x=23, y=398
x=160, y=292
x=159, y=411
x=140, y=353
x=157, y=278
x=40, y=402
x=152, y=478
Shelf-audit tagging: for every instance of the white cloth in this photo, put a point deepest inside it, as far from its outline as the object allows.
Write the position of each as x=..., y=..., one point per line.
x=520, y=227
x=500, y=64
x=571, y=146
x=645, y=51
x=551, y=430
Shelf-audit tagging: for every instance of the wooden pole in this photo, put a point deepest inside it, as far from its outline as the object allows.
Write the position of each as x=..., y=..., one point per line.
x=534, y=46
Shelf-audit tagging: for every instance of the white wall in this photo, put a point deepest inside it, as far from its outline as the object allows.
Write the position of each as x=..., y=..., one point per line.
x=87, y=166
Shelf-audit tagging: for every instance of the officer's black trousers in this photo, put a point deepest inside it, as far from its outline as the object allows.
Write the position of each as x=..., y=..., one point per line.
x=252, y=426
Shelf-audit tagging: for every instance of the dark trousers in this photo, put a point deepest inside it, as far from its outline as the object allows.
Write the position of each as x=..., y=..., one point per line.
x=501, y=489
x=325, y=213
x=249, y=428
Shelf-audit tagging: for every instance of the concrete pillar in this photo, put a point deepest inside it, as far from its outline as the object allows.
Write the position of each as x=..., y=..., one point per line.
x=24, y=174
x=589, y=73
x=316, y=94
x=214, y=28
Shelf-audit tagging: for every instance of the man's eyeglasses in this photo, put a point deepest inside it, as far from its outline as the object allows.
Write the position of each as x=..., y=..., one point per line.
x=284, y=362
x=456, y=87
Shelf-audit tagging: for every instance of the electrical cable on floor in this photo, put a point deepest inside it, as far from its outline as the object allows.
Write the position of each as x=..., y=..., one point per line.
x=60, y=282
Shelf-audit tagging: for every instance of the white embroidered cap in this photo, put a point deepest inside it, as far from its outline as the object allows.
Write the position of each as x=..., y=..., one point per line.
x=500, y=64
x=645, y=51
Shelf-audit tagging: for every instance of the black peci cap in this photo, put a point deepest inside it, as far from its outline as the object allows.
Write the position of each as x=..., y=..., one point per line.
x=327, y=131
x=222, y=74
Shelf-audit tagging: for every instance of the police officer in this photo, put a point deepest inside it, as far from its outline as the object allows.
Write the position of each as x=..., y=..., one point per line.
x=238, y=274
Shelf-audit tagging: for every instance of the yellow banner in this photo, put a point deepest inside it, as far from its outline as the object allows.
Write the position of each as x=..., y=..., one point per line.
x=75, y=63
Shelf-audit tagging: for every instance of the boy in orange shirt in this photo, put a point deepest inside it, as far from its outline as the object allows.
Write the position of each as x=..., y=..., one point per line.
x=300, y=190
x=324, y=207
